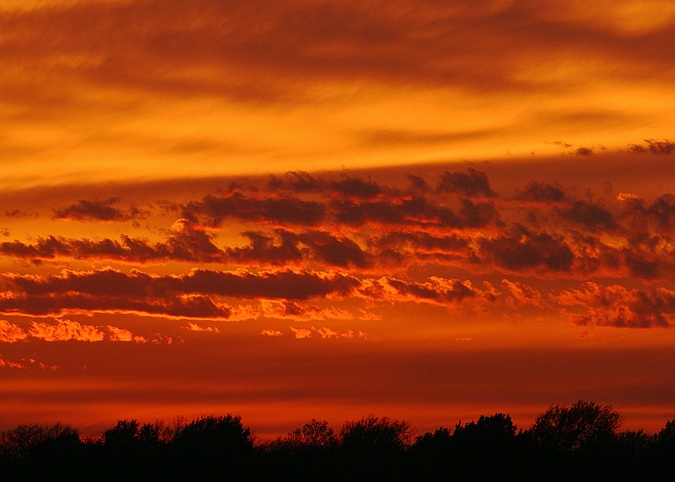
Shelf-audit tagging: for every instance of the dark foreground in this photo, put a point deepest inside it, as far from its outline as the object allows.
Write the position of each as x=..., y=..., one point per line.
x=577, y=443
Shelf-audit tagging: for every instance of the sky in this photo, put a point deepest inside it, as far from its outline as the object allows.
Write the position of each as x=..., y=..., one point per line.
x=428, y=210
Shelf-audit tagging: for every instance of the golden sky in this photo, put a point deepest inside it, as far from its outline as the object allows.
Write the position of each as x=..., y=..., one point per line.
x=322, y=209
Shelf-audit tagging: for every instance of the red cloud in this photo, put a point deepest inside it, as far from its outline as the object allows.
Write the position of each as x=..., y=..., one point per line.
x=621, y=307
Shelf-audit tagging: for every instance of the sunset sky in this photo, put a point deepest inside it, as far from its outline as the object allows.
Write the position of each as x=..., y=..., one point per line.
x=427, y=210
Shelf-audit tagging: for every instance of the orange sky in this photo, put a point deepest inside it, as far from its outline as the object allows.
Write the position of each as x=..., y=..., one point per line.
x=295, y=210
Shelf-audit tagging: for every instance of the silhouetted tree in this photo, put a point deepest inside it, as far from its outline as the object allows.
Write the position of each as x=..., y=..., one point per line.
x=134, y=452
x=39, y=452
x=313, y=435
x=309, y=453
x=577, y=443
x=486, y=449
x=124, y=434
x=578, y=440
x=568, y=429
x=631, y=457
x=213, y=448
x=431, y=457
x=372, y=447
x=664, y=451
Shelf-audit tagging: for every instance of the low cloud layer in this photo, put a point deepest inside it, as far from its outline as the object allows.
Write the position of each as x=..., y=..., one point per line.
x=314, y=247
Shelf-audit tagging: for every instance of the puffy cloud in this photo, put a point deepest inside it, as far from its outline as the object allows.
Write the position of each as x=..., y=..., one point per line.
x=11, y=333
x=522, y=294
x=187, y=295
x=327, y=333
x=65, y=330
x=437, y=290
x=25, y=364
x=120, y=334
x=541, y=192
x=590, y=216
x=279, y=249
x=583, y=151
x=521, y=249
x=11, y=364
x=196, y=295
x=202, y=329
x=474, y=183
x=414, y=211
x=323, y=333
x=418, y=183
x=302, y=312
x=356, y=187
x=297, y=181
x=282, y=211
x=653, y=146
x=301, y=333
x=663, y=210
x=620, y=307
x=272, y=333
x=334, y=251
x=96, y=210
x=186, y=242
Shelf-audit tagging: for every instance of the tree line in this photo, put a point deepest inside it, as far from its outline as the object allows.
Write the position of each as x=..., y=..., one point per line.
x=581, y=442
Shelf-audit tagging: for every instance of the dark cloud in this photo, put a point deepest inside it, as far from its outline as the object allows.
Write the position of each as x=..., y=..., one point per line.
x=591, y=216
x=354, y=213
x=284, y=210
x=644, y=257
x=96, y=210
x=653, y=146
x=418, y=183
x=621, y=307
x=197, y=293
x=285, y=284
x=348, y=186
x=663, y=210
x=334, y=251
x=297, y=181
x=452, y=292
x=541, y=192
x=186, y=242
x=421, y=241
x=16, y=213
x=473, y=183
x=521, y=249
x=438, y=291
x=640, y=266
x=182, y=295
x=478, y=215
x=356, y=187
x=583, y=151
x=414, y=211
x=279, y=249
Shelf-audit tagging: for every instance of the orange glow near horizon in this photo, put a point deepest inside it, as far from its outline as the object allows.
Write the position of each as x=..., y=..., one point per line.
x=428, y=211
